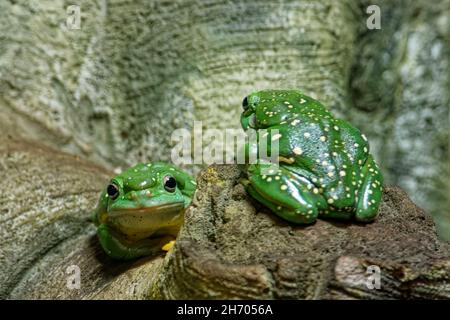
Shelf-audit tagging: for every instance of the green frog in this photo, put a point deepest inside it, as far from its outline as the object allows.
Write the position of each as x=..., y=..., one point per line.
x=324, y=166
x=141, y=210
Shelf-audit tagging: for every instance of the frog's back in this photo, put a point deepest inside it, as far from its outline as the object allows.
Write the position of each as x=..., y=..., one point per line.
x=328, y=151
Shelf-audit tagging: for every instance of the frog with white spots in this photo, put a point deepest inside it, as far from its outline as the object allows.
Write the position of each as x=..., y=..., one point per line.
x=325, y=169
x=141, y=210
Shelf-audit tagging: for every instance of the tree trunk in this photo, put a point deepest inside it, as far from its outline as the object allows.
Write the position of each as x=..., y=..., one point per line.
x=112, y=93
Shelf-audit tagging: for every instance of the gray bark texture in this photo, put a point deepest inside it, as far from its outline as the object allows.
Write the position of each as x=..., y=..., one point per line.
x=78, y=104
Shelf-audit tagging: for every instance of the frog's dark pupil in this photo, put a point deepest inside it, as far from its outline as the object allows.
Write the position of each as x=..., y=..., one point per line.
x=245, y=103
x=170, y=183
x=113, y=191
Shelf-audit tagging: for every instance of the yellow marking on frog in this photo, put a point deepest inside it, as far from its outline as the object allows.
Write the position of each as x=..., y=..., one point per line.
x=168, y=246
x=286, y=160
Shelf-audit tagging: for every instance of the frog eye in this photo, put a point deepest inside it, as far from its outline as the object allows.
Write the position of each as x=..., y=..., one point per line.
x=113, y=191
x=170, y=183
x=245, y=103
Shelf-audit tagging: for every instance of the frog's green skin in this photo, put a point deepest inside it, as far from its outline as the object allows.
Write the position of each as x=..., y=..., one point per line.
x=325, y=168
x=144, y=216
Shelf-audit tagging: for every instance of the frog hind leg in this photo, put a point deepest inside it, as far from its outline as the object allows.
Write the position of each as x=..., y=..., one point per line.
x=370, y=191
x=120, y=250
x=288, y=195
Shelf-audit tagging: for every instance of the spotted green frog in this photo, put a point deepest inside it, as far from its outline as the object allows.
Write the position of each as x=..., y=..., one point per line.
x=325, y=169
x=141, y=210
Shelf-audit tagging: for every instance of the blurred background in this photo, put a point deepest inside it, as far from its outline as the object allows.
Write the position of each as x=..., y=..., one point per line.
x=109, y=81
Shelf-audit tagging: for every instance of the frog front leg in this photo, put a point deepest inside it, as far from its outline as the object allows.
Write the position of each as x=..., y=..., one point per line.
x=370, y=191
x=120, y=249
x=290, y=196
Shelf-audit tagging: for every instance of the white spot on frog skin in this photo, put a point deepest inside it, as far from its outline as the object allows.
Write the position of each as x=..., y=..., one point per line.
x=315, y=190
x=143, y=183
x=324, y=163
x=295, y=122
x=298, y=151
x=269, y=179
x=336, y=128
x=277, y=177
x=356, y=145
x=364, y=137
x=307, y=134
x=330, y=174
x=302, y=101
x=330, y=201
x=334, y=154
x=283, y=187
x=323, y=138
x=342, y=173
x=365, y=149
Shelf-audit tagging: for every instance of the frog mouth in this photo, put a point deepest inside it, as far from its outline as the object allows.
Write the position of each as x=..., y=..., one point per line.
x=155, y=209
x=141, y=223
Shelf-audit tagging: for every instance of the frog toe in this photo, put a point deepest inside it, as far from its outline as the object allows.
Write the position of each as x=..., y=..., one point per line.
x=168, y=245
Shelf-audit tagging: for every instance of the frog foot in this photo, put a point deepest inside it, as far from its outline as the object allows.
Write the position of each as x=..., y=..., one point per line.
x=168, y=245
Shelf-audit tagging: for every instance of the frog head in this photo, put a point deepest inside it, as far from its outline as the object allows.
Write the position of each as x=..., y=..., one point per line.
x=143, y=199
x=267, y=108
